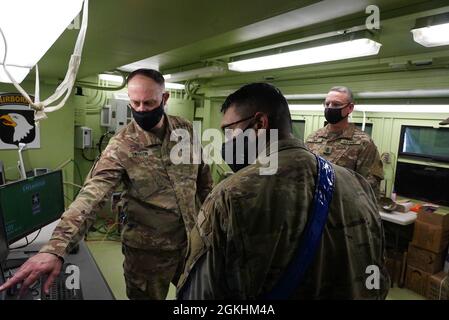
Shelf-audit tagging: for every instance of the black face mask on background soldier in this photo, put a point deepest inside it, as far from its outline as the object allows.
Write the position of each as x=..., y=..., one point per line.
x=333, y=115
x=148, y=119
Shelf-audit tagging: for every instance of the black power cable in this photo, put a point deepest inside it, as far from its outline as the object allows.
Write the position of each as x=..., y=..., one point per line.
x=100, y=143
x=28, y=242
x=85, y=157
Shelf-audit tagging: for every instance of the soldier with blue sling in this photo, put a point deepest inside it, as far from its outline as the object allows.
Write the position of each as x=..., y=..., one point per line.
x=308, y=230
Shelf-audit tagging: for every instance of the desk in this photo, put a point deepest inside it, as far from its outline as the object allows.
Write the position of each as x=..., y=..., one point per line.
x=398, y=229
x=399, y=218
x=93, y=284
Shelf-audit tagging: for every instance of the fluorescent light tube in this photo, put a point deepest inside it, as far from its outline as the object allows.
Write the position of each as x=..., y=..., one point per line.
x=432, y=36
x=32, y=31
x=332, y=52
x=111, y=77
x=306, y=107
x=203, y=72
x=174, y=86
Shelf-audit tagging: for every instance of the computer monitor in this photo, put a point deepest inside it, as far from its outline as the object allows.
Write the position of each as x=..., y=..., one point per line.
x=31, y=204
x=422, y=182
x=426, y=143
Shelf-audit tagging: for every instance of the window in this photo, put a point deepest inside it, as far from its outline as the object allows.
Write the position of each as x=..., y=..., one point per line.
x=425, y=142
x=298, y=127
x=368, y=127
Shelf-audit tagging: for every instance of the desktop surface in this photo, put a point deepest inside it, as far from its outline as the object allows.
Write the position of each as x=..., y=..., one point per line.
x=92, y=283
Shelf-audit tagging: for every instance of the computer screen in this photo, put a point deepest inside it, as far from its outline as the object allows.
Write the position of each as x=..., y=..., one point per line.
x=30, y=204
x=422, y=182
x=425, y=142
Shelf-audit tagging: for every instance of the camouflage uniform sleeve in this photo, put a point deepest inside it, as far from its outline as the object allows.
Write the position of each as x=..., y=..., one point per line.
x=103, y=178
x=207, y=265
x=370, y=166
x=385, y=281
x=220, y=171
x=204, y=181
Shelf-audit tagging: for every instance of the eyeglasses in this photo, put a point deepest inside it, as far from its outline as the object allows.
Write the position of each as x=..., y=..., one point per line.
x=335, y=106
x=230, y=124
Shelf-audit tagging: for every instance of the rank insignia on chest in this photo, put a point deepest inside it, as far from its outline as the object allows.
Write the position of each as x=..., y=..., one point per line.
x=327, y=150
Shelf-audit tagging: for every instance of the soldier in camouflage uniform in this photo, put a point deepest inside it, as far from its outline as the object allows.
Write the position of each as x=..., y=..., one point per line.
x=250, y=225
x=342, y=143
x=162, y=199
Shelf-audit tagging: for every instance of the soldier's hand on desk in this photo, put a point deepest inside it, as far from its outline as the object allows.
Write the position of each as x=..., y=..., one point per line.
x=35, y=267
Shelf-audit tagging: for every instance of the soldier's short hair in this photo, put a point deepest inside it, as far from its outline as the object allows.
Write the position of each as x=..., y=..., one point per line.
x=149, y=73
x=261, y=97
x=346, y=90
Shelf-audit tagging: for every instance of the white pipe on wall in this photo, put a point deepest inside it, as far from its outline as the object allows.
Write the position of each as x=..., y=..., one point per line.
x=419, y=93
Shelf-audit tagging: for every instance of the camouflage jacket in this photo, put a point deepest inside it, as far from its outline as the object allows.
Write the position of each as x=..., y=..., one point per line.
x=161, y=199
x=250, y=226
x=352, y=149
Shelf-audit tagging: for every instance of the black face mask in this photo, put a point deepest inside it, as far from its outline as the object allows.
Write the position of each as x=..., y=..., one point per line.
x=148, y=119
x=243, y=158
x=333, y=115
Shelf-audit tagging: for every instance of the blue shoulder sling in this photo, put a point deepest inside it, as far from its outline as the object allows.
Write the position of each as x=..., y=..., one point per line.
x=291, y=279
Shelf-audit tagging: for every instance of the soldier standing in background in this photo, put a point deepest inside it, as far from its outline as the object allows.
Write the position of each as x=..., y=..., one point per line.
x=162, y=199
x=342, y=143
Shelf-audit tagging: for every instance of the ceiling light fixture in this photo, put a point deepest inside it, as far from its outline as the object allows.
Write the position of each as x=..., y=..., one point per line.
x=352, y=45
x=174, y=86
x=432, y=31
x=203, y=72
x=331, y=52
x=111, y=77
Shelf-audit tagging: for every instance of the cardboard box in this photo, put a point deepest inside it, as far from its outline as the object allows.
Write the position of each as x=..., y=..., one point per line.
x=430, y=236
x=435, y=218
x=425, y=260
x=438, y=288
x=417, y=280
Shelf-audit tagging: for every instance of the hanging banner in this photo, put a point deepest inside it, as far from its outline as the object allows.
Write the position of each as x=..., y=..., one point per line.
x=17, y=123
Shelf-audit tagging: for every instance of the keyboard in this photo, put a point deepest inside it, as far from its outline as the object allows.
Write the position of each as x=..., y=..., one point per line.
x=59, y=289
